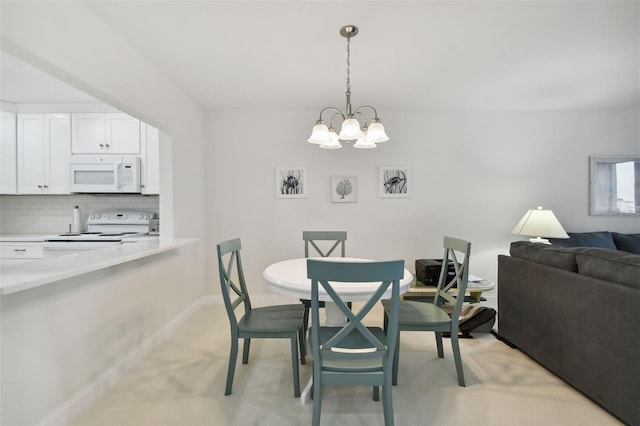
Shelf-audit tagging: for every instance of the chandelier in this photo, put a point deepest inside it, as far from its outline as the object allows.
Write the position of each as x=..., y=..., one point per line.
x=367, y=134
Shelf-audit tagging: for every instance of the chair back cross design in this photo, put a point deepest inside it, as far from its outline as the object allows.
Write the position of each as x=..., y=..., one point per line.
x=311, y=239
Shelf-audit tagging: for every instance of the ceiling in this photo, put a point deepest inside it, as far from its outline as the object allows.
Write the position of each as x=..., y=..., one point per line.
x=505, y=55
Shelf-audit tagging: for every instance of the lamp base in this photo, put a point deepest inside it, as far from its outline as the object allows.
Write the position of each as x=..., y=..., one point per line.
x=539, y=240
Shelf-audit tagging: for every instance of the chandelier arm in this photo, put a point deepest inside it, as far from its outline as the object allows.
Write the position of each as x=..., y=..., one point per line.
x=364, y=117
x=337, y=111
x=375, y=113
x=334, y=116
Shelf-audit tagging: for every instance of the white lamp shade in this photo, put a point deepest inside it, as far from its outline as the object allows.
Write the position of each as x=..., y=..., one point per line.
x=376, y=133
x=332, y=141
x=540, y=223
x=364, y=142
x=350, y=130
x=319, y=134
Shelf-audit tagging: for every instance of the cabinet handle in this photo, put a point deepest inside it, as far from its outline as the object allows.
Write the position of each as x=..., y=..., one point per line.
x=108, y=146
x=40, y=186
x=19, y=249
x=46, y=186
x=102, y=145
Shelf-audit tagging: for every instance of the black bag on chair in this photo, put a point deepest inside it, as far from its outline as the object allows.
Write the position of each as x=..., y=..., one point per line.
x=475, y=318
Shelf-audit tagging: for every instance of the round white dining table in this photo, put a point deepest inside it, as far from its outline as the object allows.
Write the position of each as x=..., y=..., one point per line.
x=289, y=277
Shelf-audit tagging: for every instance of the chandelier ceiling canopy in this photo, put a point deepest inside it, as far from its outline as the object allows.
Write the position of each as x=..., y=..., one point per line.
x=367, y=133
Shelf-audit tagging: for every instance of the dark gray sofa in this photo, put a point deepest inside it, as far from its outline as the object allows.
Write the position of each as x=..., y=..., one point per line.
x=576, y=311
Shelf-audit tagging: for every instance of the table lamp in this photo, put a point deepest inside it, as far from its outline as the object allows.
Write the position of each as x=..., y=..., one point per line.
x=540, y=223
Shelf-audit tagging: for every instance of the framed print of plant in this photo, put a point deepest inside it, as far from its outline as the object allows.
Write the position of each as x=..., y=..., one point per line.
x=344, y=189
x=394, y=182
x=291, y=182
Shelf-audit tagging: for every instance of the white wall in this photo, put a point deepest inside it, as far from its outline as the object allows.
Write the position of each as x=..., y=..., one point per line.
x=474, y=175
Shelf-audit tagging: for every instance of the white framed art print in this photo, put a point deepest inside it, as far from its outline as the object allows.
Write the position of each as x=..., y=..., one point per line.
x=394, y=182
x=344, y=189
x=291, y=182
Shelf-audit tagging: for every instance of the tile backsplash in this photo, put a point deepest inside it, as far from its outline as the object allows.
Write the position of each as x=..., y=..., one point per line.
x=52, y=214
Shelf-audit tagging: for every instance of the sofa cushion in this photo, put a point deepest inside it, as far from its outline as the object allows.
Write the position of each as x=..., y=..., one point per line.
x=616, y=266
x=627, y=242
x=601, y=239
x=546, y=254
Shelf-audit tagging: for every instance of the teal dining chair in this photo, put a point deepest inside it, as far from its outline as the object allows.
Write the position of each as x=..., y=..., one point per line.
x=270, y=322
x=323, y=243
x=441, y=316
x=354, y=354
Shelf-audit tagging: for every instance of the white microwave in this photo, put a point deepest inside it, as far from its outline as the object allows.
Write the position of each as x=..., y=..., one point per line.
x=105, y=174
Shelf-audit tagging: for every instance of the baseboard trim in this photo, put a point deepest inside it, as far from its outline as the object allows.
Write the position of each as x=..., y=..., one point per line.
x=88, y=395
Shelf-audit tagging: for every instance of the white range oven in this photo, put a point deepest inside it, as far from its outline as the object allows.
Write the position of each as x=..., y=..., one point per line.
x=104, y=228
x=105, y=174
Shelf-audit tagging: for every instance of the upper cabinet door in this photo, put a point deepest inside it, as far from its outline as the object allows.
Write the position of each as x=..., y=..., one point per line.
x=57, y=135
x=31, y=155
x=123, y=134
x=8, y=173
x=44, y=146
x=105, y=133
x=88, y=133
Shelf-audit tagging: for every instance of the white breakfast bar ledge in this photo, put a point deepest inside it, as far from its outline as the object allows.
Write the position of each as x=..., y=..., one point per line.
x=23, y=276
x=72, y=324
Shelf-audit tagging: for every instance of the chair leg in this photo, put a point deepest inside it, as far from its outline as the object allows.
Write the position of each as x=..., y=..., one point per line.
x=439, y=344
x=245, y=351
x=294, y=364
x=232, y=365
x=456, y=355
x=302, y=341
x=396, y=358
x=387, y=403
x=305, y=317
x=317, y=396
x=376, y=393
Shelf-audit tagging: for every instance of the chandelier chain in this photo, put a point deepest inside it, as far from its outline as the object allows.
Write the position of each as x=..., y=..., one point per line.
x=348, y=65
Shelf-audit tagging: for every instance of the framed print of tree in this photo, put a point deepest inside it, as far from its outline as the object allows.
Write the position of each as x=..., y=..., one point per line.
x=344, y=189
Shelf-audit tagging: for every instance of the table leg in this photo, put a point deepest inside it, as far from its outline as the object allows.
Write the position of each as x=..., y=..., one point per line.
x=335, y=317
x=476, y=294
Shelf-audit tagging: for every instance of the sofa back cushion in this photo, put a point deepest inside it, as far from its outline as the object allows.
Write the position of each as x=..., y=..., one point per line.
x=616, y=266
x=627, y=242
x=558, y=257
x=601, y=239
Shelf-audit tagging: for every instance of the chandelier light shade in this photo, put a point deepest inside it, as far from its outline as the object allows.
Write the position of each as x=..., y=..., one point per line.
x=540, y=223
x=355, y=125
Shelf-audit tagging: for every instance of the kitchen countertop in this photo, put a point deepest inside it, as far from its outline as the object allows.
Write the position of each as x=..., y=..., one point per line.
x=21, y=276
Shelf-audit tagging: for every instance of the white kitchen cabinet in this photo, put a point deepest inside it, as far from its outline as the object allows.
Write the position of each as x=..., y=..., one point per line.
x=105, y=133
x=8, y=160
x=44, y=147
x=150, y=160
x=21, y=250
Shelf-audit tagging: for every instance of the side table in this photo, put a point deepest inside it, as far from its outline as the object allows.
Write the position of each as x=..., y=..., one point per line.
x=475, y=287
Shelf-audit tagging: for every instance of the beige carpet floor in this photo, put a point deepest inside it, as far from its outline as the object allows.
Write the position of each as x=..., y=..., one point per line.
x=181, y=383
